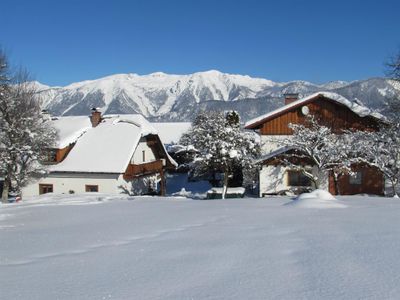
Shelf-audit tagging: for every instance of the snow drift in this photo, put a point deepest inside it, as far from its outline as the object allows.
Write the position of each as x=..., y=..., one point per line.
x=316, y=199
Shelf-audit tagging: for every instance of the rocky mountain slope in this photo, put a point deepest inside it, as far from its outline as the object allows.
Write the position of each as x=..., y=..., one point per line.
x=163, y=97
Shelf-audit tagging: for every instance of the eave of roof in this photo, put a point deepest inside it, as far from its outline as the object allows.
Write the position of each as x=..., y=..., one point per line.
x=274, y=154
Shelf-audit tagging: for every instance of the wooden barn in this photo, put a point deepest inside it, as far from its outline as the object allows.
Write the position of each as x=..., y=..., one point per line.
x=333, y=111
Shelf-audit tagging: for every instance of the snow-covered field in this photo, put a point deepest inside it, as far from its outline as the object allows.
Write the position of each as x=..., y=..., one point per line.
x=99, y=247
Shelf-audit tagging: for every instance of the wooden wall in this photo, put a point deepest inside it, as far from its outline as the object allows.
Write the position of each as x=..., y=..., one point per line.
x=62, y=153
x=329, y=113
x=372, y=182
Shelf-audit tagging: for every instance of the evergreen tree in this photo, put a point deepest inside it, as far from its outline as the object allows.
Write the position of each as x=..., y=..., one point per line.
x=221, y=145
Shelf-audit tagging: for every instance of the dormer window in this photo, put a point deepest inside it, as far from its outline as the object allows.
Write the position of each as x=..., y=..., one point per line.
x=50, y=156
x=144, y=155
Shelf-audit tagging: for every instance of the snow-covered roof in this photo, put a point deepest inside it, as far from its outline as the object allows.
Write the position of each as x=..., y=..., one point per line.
x=108, y=147
x=357, y=108
x=171, y=132
x=69, y=129
x=274, y=153
x=135, y=119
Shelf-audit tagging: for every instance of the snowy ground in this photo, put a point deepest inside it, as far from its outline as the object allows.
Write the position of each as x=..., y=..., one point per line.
x=98, y=247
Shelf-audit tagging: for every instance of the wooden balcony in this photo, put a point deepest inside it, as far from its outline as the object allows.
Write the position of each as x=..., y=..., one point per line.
x=133, y=171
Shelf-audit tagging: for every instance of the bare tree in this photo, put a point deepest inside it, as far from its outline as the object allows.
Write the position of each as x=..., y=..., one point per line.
x=382, y=150
x=393, y=102
x=313, y=144
x=25, y=133
x=393, y=67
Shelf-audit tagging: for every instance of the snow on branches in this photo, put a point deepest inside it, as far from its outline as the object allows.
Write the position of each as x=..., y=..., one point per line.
x=25, y=134
x=222, y=147
x=316, y=145
x=382, y=150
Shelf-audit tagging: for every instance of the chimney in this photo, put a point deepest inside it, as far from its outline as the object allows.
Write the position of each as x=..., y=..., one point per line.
x=290, y=97
x=95, y=118
x=46, y=115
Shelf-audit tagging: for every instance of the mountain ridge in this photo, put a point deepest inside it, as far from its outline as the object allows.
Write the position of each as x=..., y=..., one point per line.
x=171, y=97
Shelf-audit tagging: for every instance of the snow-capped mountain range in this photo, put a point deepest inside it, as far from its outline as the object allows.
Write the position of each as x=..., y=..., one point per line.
x=160, y=96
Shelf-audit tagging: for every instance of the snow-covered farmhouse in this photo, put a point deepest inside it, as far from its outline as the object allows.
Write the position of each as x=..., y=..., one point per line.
x=107, y=154
x=337, y=113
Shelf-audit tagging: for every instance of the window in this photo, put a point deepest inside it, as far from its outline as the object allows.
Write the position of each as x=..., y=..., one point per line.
x=297, y=178
x=53, y=155
x=144, y=155
x=50, y=156
x=91, y=188
x=356, y=179
x=45, y=188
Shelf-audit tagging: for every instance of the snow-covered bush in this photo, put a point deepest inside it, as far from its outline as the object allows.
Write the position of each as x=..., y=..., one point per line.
x=221, y=145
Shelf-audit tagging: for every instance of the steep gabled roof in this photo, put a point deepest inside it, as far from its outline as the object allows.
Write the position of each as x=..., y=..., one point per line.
x=108, y=147
x=358, y=109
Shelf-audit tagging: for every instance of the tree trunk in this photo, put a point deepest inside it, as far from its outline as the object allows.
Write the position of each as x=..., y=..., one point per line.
x=336, y=183
x=6, y=188
x=394, y=189
x=225, y=186
x=312, y=178
x=163, y=189
x=315, y=183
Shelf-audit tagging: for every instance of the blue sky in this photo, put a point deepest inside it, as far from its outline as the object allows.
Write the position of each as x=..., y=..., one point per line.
x=61, y=42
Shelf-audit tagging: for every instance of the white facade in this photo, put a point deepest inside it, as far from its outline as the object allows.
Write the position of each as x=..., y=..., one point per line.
x=143, y=153
x=68, y=183
x=274, y=180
